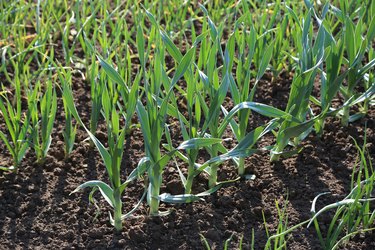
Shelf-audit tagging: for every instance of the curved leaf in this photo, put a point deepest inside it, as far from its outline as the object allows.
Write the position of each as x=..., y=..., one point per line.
x=104, y=189
x=187, y=198
x=102, y=150
x=142, y=167
x=197, y=143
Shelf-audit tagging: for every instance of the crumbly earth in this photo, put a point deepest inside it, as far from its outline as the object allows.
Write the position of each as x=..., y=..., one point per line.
x=38, y=212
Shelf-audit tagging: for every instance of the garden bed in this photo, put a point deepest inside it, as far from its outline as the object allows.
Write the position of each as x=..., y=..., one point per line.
x=99, y=51
x=37, y=211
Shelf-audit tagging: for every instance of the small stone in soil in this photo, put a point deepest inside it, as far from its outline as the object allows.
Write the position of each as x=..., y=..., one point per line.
x=121, y=242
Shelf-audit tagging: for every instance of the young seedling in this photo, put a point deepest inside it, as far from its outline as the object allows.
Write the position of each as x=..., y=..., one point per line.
x=356, y=45
x=43, y=117
x=152, y=115
x=17, y=123
x=112, y=156
x=70, y=130
x=240, y=88
x=311, y=57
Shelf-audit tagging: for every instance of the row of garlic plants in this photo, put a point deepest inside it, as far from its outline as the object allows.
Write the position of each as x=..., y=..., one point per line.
x=141, y=70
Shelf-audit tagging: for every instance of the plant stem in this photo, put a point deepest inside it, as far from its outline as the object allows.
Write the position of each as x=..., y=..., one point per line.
x=213, y=176
x=214, y=167
x=118, y=209
x=189, y=181
x=319, y=127
x=241, y=166
x=345, y=117
x=275, y=157
x=279, y=147
x=155, y=192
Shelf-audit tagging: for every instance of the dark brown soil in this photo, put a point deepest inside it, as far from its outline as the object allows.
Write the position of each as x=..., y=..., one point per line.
x=37, y=212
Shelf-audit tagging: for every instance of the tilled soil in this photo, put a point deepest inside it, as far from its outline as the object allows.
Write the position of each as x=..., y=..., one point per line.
x=38, y=212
